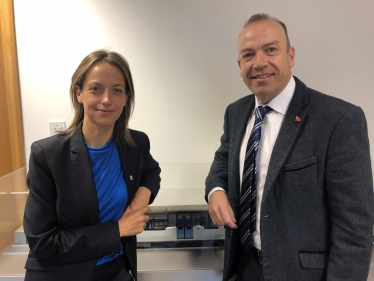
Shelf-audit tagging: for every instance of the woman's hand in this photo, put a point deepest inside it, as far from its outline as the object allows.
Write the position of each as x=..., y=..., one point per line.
x=134, y=218
x=133, y=222
x=141, y=198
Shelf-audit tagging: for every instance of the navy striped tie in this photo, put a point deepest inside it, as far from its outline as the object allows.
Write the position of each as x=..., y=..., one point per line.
x=247, y=204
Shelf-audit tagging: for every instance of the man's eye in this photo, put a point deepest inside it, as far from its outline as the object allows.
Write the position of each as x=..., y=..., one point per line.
x=271, y=49
x=247, y=55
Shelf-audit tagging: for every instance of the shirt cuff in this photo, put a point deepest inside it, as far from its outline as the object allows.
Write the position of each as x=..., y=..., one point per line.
x=215, y=189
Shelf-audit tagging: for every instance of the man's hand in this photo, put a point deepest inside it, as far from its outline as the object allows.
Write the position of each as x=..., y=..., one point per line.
x=133, y=222
x=220, y=209
x=141, y=198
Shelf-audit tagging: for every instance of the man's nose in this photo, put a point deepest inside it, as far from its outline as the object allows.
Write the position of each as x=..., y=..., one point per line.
x=260, y=61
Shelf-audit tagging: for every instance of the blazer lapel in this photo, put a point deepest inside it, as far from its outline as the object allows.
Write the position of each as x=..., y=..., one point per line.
x=126, y=155
x=239, y=127
x=293, y=121
x=82, y=166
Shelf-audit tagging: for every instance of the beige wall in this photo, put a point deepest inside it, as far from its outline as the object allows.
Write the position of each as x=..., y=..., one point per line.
x=183, y=56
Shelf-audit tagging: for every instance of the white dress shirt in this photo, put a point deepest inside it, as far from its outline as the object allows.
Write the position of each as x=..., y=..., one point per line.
x=269, y=132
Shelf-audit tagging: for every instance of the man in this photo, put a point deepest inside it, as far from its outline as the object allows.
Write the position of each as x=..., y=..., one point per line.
x=304, y=210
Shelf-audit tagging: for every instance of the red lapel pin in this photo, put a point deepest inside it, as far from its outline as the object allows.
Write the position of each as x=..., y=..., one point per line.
x=297, y=119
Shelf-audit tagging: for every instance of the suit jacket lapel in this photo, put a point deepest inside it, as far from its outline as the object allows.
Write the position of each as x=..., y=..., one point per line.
x=82, y=166
x=287, y=135
x=239, y=128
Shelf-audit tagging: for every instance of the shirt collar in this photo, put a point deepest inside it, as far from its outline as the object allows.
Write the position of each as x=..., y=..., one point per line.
x=281, y=102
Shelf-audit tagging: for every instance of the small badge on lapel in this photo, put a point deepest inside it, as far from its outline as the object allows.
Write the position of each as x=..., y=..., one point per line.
x=131, y=177
x=297, y=119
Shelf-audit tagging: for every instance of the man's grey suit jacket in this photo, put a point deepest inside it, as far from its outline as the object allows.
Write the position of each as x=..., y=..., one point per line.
x=317, y=206
x=62, y=223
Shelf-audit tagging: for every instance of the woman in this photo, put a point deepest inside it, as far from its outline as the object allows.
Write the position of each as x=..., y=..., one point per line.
x=90, y=186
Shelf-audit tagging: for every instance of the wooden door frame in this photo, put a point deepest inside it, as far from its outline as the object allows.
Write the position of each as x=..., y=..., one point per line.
x=12, y=153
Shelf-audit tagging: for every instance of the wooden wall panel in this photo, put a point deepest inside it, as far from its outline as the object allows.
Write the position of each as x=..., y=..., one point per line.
x=13, y=191
x=11, y=132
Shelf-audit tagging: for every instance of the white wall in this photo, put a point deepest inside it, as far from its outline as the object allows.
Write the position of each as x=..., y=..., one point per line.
x=183, y=58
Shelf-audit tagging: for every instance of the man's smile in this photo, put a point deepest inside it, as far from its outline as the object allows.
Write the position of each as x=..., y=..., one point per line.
x=262, y=76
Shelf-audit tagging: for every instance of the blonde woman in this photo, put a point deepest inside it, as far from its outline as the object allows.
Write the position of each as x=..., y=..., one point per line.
x=90, y=186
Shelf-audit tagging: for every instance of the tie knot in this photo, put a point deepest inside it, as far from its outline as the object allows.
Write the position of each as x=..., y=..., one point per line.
x=261, y=111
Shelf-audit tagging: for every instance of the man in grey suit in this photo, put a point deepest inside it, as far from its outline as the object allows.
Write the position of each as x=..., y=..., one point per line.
x=311, y=213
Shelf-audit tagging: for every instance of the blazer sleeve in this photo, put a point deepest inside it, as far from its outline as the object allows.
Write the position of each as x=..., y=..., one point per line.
x=150, y=171
x=48, y=241
x=349, y=185
x=218, y=174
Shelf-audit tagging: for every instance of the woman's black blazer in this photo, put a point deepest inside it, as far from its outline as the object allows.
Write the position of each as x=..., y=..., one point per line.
x=61, y=219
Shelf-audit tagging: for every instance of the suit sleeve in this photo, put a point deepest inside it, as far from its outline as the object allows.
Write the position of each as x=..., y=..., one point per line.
x=50, y=243
x=218, y=174
x=151, y=172
x=349, y=186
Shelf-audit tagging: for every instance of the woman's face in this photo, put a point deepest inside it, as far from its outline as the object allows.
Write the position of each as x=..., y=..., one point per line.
x=103, y=96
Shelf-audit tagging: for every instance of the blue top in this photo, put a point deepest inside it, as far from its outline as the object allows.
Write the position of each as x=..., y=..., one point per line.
x=110, y=186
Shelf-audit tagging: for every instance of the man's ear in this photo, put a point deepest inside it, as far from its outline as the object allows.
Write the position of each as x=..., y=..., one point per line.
x=291, y=56
x=239, y=64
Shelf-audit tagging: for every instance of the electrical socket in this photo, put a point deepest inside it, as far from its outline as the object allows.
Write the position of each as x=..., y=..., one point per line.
x=56, y=126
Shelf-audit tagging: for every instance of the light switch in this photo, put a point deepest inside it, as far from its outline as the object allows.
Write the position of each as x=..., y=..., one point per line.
x=55, y=127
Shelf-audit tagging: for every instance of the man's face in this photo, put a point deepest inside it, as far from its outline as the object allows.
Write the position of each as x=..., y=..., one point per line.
x=264, y=61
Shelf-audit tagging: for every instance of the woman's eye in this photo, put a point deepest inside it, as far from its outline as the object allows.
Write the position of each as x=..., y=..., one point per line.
x=94, y=88
x=118, y=91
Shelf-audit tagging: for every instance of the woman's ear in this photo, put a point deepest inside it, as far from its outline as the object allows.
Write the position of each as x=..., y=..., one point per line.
x=78, y=93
